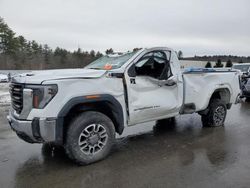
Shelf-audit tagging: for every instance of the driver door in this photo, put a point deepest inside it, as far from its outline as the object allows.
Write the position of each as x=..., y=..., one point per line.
x=149, y=95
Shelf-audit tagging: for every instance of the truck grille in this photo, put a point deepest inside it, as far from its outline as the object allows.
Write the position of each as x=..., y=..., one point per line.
x=16, y=93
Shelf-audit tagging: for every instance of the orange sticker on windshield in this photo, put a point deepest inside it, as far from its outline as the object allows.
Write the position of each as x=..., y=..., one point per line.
x=107, y=67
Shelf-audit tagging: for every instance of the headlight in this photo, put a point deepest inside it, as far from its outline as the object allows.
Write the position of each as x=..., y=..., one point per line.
x=42, y=94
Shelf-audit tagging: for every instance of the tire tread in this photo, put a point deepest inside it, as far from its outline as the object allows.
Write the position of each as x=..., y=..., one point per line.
x=82, y=119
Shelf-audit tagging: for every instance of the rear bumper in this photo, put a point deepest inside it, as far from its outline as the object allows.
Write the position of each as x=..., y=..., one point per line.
x=36, y=131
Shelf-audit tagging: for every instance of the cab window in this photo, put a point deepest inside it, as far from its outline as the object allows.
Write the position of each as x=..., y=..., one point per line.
x=154, y=64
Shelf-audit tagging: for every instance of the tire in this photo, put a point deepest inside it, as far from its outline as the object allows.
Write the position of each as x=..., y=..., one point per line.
x=247, y=99
x=90, y=138
x=216, y=115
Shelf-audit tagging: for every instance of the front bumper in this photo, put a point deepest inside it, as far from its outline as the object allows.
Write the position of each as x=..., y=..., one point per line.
x=38, y=130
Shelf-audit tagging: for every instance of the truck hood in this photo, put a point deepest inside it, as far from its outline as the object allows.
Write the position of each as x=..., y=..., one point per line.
x=37, y=77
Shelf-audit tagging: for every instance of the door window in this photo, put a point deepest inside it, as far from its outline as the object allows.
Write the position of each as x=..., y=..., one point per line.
x=154, y=64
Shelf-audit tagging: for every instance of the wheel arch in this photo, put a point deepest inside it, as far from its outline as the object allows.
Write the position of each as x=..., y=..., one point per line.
x=103, y=103
x=223, y=94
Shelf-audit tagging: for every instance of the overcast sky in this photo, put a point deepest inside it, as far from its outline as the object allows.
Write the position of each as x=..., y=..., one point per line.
x=193, y=26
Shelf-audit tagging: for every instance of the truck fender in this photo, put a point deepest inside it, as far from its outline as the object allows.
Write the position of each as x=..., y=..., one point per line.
x=114, y=106
x=222, y=93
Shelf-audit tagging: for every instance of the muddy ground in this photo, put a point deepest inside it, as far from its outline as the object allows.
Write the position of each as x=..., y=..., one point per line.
x=183, y=154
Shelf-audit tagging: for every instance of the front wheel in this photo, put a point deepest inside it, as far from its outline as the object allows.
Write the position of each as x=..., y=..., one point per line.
x=90, y=138
x=216, y=115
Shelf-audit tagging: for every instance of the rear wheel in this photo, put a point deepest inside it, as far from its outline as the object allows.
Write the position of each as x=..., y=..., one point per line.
x=90, y=137
x=216, y=115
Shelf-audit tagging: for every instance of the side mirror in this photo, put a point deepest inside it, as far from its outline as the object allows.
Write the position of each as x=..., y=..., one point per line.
x=132, y=71
x=169, y=82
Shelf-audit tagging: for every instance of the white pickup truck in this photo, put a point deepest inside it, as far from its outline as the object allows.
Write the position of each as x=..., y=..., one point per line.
x=83, y=109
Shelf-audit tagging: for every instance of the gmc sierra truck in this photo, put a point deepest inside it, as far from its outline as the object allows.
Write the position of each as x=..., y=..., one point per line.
x=83, y=109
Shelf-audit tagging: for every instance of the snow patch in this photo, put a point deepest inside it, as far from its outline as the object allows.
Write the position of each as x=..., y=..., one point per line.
x=4, y=98
x=4, y=94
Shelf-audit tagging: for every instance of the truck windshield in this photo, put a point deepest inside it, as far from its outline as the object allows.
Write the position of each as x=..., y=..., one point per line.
x=242, y=68
x=109, y=62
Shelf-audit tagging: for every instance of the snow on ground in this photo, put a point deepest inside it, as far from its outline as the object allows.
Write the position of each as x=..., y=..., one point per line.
x=4, y=99
x=4, y=94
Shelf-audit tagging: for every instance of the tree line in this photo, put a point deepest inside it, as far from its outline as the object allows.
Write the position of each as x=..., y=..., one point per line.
x=222, y=58
x=16, y=52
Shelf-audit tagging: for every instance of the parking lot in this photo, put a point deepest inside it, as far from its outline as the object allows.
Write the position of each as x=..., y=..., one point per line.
x=183, y=154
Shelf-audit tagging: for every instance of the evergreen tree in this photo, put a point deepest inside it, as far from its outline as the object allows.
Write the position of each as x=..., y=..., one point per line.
x=46, y=53
x=22, y=43
x=8, y=42
x=98, y=54
x=109, y=51
x=208, y=65
x=218, y=64
x=92, y=53
x=229, y=63
x=35, y=47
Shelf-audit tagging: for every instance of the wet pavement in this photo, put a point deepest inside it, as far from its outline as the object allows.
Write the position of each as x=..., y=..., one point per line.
x=181, y=154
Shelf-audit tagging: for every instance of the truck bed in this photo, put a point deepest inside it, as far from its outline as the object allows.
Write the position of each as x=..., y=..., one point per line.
x=199, y=84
